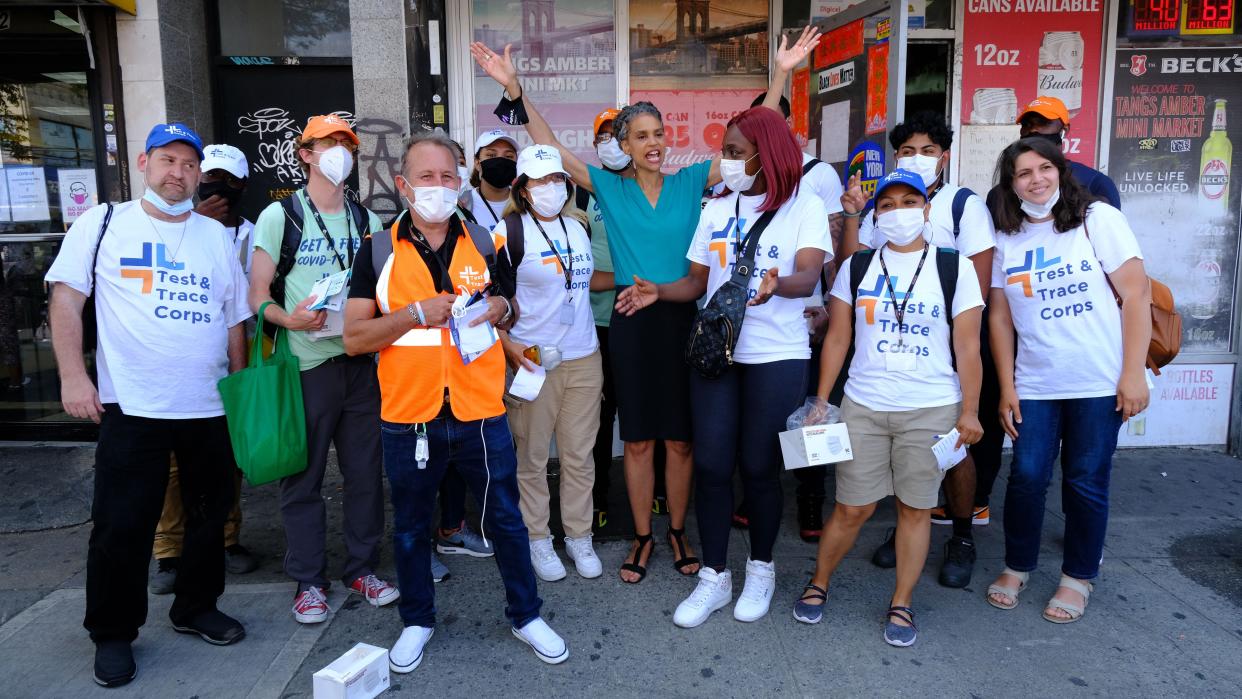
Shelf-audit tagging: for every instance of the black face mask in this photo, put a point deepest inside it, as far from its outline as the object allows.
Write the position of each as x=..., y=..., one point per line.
x=1054, y=137
x=207, y=190
x=498, y=172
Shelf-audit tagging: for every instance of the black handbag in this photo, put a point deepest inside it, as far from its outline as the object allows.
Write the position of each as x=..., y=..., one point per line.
x=718, y=324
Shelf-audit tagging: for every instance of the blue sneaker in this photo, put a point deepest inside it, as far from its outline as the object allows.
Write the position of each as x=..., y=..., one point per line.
x=464, y=541
x=439, y=571
x=896, y=634
x=806, y=612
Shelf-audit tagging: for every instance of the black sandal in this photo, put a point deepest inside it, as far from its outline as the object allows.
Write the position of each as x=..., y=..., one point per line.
x=643, y=540
x=677, y=542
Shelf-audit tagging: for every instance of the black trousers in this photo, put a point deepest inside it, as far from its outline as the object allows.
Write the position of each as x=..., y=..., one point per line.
x=987, y=451
x=131, y=475
x=603, y=439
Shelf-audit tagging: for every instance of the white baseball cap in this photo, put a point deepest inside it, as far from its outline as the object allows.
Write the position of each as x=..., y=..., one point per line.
x=221, y=156
x=487, y=138
x=540, y=161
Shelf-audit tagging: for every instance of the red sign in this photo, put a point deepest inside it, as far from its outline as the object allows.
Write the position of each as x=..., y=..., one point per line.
x=1056, y=54
x=877, y=89
x=799, y=105
x=840, y=44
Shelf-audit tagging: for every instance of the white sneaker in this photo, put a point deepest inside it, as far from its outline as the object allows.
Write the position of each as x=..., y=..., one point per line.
x=407, y=652
x=756, y=595
x=548, y=647
x=547, y=565
x=583, y=555
x=714, y=591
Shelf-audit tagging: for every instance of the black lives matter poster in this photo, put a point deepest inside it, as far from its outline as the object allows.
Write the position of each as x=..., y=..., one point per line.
x=1176, y=118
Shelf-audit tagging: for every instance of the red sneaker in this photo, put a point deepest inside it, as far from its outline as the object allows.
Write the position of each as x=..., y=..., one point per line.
x=376, y=591
x=311, y=607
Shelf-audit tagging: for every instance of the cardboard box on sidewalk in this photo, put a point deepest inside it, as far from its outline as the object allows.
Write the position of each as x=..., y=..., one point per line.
x=361, y=673
x=816, y=446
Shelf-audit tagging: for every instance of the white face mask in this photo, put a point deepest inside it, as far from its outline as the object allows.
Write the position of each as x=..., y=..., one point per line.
x=733, y=172
x=1044, y=210
x=174, y=209
x=464, y=173
x=335, y=164
x=924, y=166
x=901, y=226
x=548, y=199
x=433, y=204
x=611, y=155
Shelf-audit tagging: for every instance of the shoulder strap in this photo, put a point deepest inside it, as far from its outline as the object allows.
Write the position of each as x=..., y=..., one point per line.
x=381, y=247
x=947, y=269
x=292, y=207
x=746, y=262
x=858, y=269
x=362, y=218
x=959, y=207
x=466, y=214
x=103, y=228
x=809, y=165
x=515, y=239
x=582, y=197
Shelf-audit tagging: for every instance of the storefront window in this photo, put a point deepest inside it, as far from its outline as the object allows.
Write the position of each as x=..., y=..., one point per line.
x=924, y=14
x=700, y=62
x=49, y=175
x=565, y=53
x=306, y=28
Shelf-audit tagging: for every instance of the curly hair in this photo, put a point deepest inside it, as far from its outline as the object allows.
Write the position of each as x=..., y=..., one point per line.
x=926, y=122
x=1070, y=210
x=621, y=125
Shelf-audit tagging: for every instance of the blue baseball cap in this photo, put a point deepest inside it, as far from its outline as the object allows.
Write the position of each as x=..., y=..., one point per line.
x=900, y=176
x=163, y=134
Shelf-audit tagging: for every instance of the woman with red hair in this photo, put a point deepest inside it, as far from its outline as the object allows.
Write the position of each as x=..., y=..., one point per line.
x=736, y=417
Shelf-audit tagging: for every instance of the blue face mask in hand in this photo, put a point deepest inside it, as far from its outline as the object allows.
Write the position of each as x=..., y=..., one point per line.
x=177, y=209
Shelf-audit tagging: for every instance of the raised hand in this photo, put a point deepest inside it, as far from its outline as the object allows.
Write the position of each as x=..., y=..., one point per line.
x=853, y=200
x=642, y=294
x=498, y=66
x=788, y=58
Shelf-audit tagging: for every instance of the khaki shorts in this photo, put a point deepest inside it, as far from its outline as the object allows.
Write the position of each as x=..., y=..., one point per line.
x=892, y=454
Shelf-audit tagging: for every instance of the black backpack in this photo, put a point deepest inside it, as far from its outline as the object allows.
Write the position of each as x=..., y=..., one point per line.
x=292, y=206
x=946, y=269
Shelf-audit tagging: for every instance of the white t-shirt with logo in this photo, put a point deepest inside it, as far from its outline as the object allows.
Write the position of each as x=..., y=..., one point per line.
x=933, y=381
x=486, y=211
x=824, y=182
x=541, y=293
x=163, y=324
x=775, y=330
x=975, y=232
x=1068, y=322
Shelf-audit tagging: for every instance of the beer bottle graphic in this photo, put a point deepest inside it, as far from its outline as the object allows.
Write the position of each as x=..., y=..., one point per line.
x=1214, y=166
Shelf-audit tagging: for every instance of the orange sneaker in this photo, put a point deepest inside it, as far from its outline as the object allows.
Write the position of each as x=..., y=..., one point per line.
x=982, y=516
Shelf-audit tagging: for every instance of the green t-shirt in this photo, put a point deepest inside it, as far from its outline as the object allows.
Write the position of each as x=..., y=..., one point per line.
x=645, y=241
x=315, y=261
x=601, y=301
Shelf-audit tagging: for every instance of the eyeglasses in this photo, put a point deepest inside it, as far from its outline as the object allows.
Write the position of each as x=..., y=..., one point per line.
x=602, y=138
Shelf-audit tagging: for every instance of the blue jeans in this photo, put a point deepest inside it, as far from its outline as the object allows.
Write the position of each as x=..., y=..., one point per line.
x=482, y=452
x=1085, y=432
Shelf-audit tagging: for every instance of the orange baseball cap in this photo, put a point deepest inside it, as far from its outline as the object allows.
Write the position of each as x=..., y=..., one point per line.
x=605, y=116
x=325, y=125
x=1047, y=107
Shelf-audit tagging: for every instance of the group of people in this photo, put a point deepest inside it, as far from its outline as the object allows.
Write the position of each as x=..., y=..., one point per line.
x=918, y=309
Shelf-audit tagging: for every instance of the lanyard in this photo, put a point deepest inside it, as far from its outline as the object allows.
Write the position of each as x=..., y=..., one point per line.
x=567, y=264
x=899, y=311
x=349, y=249
x=446, y=280
x=490, y=210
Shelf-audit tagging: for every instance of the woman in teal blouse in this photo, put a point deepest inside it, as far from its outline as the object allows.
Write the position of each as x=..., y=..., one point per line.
x=650, y=218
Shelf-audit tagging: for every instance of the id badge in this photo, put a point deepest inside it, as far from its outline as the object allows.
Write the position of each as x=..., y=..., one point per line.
x=567, y=312
x=899, y=358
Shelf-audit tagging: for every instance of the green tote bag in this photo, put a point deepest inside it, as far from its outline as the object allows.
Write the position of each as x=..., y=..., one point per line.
x=263, y=404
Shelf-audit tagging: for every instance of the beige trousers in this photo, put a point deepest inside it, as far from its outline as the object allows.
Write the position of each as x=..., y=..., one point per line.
x=567, y=407
x=170, y=533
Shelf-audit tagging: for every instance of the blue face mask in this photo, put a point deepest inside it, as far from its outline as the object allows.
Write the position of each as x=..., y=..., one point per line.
x=177, y=209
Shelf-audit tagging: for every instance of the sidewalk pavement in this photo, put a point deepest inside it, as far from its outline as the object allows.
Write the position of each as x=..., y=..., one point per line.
x=1165, y=619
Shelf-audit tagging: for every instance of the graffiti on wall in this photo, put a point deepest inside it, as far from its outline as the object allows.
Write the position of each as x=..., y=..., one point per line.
x=377, y=163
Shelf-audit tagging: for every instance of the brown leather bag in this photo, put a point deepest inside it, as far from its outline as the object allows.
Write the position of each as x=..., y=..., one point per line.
x=1166, y=322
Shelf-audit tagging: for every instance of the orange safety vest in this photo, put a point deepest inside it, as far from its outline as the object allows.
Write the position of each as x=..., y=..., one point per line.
x=416, y=368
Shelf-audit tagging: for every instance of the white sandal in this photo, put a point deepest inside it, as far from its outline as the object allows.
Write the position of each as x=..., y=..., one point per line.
x=1010, y=592
x=1075, y=612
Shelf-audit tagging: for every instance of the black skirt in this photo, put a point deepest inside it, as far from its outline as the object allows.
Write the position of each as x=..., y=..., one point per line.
x=650, y=373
